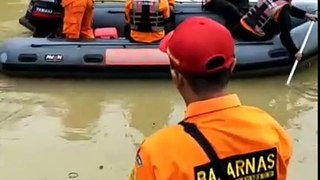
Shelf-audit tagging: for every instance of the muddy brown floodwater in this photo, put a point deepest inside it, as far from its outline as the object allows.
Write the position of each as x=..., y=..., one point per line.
x=90, y=129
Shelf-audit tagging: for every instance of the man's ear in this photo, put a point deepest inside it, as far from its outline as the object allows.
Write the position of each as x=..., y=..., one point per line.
x=177, y=78
x=174, y=77
x=233, y=64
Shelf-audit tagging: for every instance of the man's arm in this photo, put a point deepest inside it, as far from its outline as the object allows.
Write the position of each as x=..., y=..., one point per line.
x=297, y=13
x=285, y=28
x=143, y=168
x=172, y=5
x=165, y=8
x=128, y=9
x=172, y=2
x=301, y=14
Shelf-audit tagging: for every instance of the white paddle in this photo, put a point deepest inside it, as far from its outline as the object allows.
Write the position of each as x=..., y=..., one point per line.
x=301, y=50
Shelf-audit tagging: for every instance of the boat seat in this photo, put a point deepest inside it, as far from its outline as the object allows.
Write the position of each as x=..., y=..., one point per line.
x=106, y=33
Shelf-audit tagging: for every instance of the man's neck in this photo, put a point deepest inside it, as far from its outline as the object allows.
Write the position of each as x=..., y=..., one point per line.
x=204, y=96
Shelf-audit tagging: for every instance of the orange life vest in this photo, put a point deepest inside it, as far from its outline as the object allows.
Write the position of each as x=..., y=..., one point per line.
x=260, y=14
x=146, y=16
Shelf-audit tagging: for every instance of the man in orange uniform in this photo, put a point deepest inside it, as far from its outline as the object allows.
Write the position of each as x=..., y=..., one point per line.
x=219, y=137
x=78, y=18
x=147, y=19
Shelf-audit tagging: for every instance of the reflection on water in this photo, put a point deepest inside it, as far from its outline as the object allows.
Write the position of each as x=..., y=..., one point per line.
x=80, y=102
x=150, y=111
x=282, y=101
x=309, y=90
x=82, y=109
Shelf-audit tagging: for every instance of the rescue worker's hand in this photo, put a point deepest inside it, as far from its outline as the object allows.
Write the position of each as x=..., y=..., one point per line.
x=298, y=56
x=311, y=17
x=172, y=9
x=259, y=31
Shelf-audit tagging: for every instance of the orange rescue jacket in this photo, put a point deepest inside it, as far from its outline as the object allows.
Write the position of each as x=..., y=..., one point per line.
x=147, y=37
x=248, y=142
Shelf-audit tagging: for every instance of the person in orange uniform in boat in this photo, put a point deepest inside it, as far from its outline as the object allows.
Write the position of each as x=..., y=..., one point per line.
x=147, y=19
x=78, y=18
x=252, y=26
x=219, y=137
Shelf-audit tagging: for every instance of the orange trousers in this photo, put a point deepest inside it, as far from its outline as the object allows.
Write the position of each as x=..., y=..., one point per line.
x=78, y=19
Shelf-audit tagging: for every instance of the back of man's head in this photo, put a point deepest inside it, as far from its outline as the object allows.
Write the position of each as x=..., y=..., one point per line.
x=202, y=51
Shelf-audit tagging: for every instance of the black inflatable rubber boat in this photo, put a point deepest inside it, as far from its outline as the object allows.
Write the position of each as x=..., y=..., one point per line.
x=111, y=55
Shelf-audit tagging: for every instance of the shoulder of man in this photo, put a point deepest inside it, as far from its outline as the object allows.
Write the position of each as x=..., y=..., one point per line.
x=260, y=112
x=162, y=137
x=269, y=121
x=263, y=118
x=151, y=149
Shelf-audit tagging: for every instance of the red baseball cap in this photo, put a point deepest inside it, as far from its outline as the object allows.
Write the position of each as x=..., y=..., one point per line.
x=196, y=44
